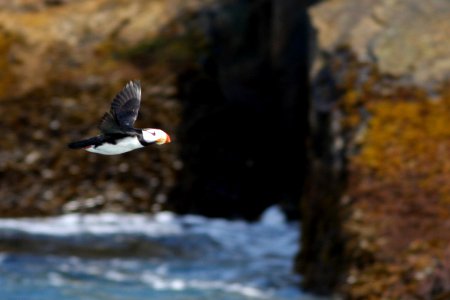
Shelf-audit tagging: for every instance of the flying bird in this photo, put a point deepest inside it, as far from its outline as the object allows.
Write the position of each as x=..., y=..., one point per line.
x=116, y=126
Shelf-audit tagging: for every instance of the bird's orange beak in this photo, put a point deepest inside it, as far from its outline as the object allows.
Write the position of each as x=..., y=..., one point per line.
x=164, y=140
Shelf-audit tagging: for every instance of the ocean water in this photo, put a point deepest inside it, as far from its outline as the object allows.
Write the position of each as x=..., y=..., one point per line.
x=160, y=256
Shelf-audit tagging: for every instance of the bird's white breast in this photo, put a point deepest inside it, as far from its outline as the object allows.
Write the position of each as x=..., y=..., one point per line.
x=123, y=145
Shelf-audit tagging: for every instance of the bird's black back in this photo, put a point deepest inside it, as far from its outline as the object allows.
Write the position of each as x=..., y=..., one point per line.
x=123, y=112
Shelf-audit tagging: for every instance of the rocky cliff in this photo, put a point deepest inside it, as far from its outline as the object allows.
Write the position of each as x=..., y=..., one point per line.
x=62, y=62
x=227, y=79
x=376, y=209
x=364, y=150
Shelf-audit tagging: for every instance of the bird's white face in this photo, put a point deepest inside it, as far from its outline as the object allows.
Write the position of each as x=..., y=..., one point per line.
x=157, y=136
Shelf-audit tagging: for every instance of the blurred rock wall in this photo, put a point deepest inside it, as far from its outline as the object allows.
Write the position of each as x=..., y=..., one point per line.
x=62, y=62
x=227, y=79
x=375, y=209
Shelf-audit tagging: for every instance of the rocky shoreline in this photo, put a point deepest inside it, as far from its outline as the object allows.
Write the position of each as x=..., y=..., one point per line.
x=357, y=149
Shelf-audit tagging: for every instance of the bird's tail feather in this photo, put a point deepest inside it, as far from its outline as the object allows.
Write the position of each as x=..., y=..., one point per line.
x=84, y=143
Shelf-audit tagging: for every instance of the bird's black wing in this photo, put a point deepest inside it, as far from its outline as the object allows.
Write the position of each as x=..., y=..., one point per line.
x=108, y=125
x=125, y=107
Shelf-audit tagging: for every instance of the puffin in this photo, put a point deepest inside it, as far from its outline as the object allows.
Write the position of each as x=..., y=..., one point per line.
x=117, y=134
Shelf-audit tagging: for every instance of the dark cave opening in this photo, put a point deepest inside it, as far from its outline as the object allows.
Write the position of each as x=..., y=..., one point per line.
x=245, y=113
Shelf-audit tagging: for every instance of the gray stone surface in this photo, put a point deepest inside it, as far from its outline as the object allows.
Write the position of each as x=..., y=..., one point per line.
x=409, y=39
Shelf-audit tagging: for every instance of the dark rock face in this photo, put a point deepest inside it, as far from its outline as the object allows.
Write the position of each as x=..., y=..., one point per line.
x=245, y=111
x=322, y=258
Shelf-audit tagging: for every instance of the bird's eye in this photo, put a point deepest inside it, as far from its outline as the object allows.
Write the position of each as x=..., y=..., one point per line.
x=153, y=133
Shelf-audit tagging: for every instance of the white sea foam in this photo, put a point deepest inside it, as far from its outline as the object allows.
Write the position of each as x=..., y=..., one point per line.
x=253, y=260
x=272, y=236
x=56, y=279
x=273, y=217
x=162, y=283
x=104, y=223
x=230, y=234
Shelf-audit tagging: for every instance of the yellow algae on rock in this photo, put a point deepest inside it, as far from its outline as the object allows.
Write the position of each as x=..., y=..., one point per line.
x=399, y=180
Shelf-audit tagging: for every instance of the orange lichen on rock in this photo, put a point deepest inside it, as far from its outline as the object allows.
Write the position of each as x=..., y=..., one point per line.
x=405, y=137
x=399, y=184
